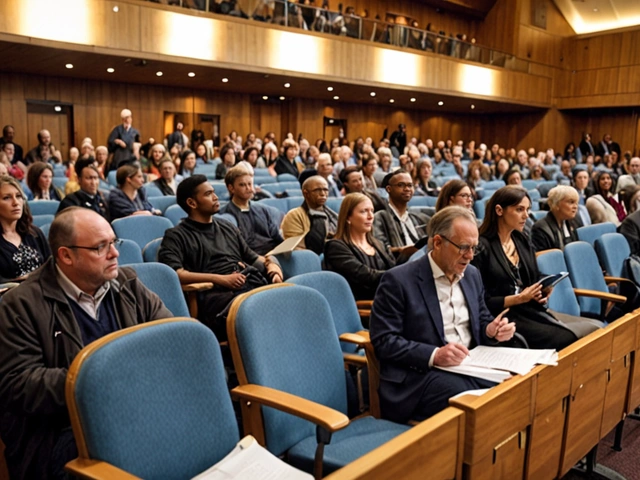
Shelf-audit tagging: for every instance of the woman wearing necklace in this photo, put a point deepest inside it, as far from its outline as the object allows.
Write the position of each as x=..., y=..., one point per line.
x=23, y=246
x=354, y=253
x=510, y=275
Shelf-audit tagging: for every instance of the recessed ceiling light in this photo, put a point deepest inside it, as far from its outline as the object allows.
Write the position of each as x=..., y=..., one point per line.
x=391, y=100
x=116, y=9
x=595, y=9
x=57, y=108
x=111, y=70
x=159, y=74
x=373, y=94
x=264, y=97
x=191, y=74
x=287, y=85
x=281, y=98
x=225, y=80
x=440, y=103
x=69, y=65
x=473, y=107
x=330, y=89
x=336, y=97
x=413, y=99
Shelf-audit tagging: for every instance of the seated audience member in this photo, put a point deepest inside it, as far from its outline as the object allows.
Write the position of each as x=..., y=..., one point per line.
x=204, y=249
x=369, y=167
x=324, y=168
x=633, y=175
x=259, y=226
x=102, y=155
x=130, y=198
x=559, y=226
x=157, y=153
x=169, y=180
x=313, y=218
x=202, y=156
x=352, y=181
x=455, y=192
x=88, y=196
x=286, y=163
x=43, y=151
x=604, y=206
x=428, y=313
x=354, y=253
x=510, y=274
x=384, y=164
x=630, y=226
x=23, y=246
x=187, y=163
x=78, y=296
x=478, y=174
x=15, y=167
x=397, y=227
x=424, y=184
x=8, y=134
x=513, y=177
x=228, y=156
x=40, y=182
x=501, y=168
x=581, y=184
x=251, y=156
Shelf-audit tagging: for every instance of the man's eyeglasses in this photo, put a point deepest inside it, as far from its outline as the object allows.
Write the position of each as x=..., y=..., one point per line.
x=464, y=249
x=402, y=185
x=101, y=249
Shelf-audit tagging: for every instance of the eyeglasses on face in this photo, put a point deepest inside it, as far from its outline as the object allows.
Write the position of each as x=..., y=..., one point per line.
x=464, y=249
x=402, y=185
x=101, y=249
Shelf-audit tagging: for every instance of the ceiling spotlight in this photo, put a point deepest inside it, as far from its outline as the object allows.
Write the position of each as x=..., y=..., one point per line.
x=440, y=103
x=391, y=100
x=111, y=70
x=57, y=108
x=412, y=99
x=159, y=74
x=336, y=97
x=373, y=94
x=225, y=80
x=331, y=120
x=330, y=89
x=69, y=65
x=116, y=9
x=264, y=97
x=595, y=9
x=281, y=98
x=473, y=107
x=191, y=74
x=287, y=85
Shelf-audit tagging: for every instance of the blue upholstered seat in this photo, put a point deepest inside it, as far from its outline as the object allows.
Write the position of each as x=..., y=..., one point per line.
x=152, y=400
x=129, y=252
x=612, y=249
x=279, y=203
x=43, y=207
x=140, y=228
x=175, y=213
x=150, y=250
x=152, y=191
x=41, y=220
x=162, y=203
x=334, y=203
x=286, y=177
x=299, y=353
x=562, y=299
x=299, y=262
x=163, y=281
x=422, y=201
x=590, y=233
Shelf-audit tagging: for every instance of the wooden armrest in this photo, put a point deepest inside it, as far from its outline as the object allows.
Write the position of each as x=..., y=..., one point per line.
x=326, y=417
x=612, y=297
x=96, y=469
x=364, y=304
x=197, y=287
x=365, y=334
x=354, y=338
x=355, y=359
x=615, y=279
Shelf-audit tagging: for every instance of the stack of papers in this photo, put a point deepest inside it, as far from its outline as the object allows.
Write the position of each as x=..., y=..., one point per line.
x=496, y=364
x=249, y=461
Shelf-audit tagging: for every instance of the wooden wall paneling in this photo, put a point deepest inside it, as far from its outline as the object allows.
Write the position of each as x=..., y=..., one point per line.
x=499, y=30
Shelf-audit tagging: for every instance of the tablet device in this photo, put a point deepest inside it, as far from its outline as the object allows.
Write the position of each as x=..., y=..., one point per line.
x=552, y=280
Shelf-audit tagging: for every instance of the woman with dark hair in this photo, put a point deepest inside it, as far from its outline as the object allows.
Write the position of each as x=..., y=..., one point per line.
x=478, y=174
x=455, y=192
x=202, y=156
x=286, y=163
x=23, y=246
x=130, y=197
x=354, y=252
x=39, y=181
x=604, y=206
x=187, y=163
x=569, y=152
x=228, y=156
x=510, y=274
x=425, y=184
x=251, y=155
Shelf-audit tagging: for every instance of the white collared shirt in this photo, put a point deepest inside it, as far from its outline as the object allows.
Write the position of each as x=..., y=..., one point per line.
x=407, y=226
x=453, y=308
x=88, y=303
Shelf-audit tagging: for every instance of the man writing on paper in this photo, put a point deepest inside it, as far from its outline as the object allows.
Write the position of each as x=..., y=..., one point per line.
x=429, y=313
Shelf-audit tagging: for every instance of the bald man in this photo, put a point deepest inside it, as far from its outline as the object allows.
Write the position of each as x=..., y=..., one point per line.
x=124, y=141
x=76, y=297
x=44, y=140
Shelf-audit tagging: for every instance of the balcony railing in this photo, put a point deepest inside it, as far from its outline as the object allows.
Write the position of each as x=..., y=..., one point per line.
x=323, y=20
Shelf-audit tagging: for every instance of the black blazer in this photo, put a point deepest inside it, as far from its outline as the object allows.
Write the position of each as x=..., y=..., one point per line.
x=630, y=228
x=350, y=262
x=546, y=233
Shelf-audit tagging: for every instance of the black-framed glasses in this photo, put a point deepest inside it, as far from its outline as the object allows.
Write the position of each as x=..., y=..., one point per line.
x=464, y=249
x=402, y=185
x=101, y=249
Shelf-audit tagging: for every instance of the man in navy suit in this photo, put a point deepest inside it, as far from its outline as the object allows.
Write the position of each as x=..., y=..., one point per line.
x=428, y=313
